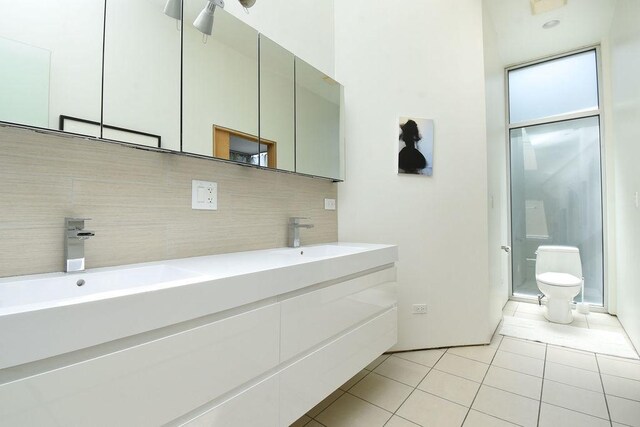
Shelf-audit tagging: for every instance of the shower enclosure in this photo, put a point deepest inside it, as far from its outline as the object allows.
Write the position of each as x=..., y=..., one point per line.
x=555, y=168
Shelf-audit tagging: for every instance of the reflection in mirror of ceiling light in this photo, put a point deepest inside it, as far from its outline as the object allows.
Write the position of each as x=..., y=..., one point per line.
x=550, y=24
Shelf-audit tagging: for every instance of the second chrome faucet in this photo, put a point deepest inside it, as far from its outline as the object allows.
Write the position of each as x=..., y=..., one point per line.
x=294, y=230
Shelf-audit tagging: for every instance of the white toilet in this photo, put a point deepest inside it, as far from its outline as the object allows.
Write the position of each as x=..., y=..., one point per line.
x=559, y=278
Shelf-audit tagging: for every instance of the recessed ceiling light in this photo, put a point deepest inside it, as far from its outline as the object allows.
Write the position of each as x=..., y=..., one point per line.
x=550, y=24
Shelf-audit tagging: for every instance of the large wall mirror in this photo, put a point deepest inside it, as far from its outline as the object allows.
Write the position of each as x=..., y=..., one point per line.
x=129, y=71
x=51, y=56
x=318, y=122
x=220, y=87
x=277, y=105
x=141, y=74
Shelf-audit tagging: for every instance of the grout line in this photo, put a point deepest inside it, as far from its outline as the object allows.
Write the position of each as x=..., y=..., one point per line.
x=481, y=383
x=544, y=369
x=606, y=401
x=575, y=386
x=414, y=389
x=458, y=376
x=577, y=412
x=493, y=416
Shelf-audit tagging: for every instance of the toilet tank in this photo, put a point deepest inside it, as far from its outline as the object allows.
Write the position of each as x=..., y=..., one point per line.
x=558, y=259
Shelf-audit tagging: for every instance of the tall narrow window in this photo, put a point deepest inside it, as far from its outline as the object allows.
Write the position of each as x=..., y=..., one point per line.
x=555, y=167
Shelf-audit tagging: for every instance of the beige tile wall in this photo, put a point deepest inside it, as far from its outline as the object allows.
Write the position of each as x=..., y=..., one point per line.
x=140, y=203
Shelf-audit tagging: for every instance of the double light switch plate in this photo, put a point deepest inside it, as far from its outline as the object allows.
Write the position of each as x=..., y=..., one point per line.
x=204, y=195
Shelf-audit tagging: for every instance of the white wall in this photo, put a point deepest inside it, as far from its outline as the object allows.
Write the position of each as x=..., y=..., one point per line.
x=422, y=59
x=625, y=69
x=496, y=171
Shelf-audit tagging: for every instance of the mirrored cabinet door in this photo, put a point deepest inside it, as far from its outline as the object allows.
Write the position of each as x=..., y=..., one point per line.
x=141, y=74
x=318, y=123
x=277, y=106
x=51, y=56
x=220, y=87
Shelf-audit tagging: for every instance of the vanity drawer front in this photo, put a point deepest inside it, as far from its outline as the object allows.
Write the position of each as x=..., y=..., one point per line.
x=312, y=378
x=256, y=406
x=311, y=318
x=152, y=383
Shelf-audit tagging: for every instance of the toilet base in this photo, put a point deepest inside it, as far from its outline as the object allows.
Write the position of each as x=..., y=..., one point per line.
x=558, y=311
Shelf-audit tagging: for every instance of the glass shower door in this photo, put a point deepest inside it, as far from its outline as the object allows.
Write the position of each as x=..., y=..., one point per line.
x=556, y=199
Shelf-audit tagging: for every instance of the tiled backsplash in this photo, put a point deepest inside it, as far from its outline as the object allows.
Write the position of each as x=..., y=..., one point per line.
x=140, y=203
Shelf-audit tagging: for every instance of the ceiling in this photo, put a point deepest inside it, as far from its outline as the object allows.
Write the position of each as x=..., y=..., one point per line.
x=521, y=37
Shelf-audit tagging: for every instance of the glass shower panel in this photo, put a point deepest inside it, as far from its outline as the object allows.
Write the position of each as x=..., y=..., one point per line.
x=556, y=199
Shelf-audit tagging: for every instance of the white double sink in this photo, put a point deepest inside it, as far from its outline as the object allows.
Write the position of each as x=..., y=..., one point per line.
x=47, y=315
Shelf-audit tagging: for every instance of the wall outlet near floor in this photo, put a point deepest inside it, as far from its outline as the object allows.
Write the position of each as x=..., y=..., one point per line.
x=419, y=309
x=204, y=195
x=330, y=204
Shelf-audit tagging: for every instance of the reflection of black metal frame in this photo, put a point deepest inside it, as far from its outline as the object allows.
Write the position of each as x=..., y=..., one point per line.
x=64, y=119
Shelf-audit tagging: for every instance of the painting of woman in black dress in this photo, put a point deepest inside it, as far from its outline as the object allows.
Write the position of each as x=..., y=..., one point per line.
x=415, y=148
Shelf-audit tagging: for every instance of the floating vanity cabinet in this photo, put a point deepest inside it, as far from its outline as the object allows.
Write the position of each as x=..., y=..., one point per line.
x=151, y=383
x=248, y=339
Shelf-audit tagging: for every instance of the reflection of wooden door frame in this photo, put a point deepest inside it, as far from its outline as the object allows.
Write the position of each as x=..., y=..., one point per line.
x=222, y=138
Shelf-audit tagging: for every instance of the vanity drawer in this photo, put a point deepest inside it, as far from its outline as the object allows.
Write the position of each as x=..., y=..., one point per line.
x=311, y=318
x=309, y=380
x=256, y=406
x=152, y=383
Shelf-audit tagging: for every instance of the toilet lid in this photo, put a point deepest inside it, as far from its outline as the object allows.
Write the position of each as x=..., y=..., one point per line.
x=558, y=279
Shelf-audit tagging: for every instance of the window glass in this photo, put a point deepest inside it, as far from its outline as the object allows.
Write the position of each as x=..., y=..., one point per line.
x=560, y=86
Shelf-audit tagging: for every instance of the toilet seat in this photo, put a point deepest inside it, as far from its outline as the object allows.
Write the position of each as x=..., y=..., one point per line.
x=558, y=279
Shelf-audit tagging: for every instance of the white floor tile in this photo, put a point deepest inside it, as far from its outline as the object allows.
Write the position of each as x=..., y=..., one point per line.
x=507, y=406
x=511, y=305
x=302, y=421
x=429, y=410
x=402, y=370
x=519, y=363
x=423, y=357
x=624, y=411
x=373, y=365
x=570, y=357
x=524, y=348
x=575, y=399
x=577, y=317
x=396, y=421
x=577, y=324
x=481, y=353
x=457, y=389
x=602, y=319
x=573, y=376
x=382, y=391
x=496, y=340
x=515, y=382
x=508, y=312
x=478, y=419
x=531, y=316
x=354, y=380
x=621, y=387
x=619, y=367
x=350, y=411
x=554, y=416
x=608, y=328
x=462, y=367
x=524, y=307
x=325, y=403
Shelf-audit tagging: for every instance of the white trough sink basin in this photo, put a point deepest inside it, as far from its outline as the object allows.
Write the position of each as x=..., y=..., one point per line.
x=48, y=315
x=74, y=288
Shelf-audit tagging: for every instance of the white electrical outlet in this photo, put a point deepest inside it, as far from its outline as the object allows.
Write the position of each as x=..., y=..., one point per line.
x=204, y=195
x=419, y=309
x=330, y=204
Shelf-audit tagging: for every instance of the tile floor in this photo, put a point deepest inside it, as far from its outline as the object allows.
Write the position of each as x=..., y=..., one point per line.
x=509, y=382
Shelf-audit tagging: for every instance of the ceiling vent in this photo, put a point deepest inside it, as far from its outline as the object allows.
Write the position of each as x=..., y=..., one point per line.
x=542, y=6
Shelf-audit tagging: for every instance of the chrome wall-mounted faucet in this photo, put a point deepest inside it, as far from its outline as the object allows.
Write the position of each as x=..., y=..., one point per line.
x=294, y=230
x=74, y=238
